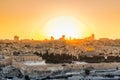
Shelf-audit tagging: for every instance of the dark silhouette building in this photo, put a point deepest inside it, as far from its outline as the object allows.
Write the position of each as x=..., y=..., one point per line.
x=52, y=38
x=16, y=38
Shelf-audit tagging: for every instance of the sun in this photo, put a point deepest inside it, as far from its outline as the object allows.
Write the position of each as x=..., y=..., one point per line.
x=64, y=25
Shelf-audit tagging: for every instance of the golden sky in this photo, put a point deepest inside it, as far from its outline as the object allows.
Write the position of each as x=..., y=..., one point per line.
x=27, y=18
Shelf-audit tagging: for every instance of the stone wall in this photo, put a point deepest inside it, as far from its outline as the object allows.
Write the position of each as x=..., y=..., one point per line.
x=28, y=58
x=5, y=62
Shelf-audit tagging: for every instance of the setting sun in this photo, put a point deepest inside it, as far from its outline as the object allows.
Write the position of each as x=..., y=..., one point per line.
x=64, y=25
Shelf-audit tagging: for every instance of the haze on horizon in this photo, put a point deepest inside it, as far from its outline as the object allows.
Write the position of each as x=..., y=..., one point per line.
x=27, y=18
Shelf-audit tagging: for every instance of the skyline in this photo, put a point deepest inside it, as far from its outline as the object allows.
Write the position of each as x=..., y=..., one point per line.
x=28, y=19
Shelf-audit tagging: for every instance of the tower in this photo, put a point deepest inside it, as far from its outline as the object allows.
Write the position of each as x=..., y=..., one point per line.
x=52, y=38
x=92, y=36
x=63, y=37
x=16, y=38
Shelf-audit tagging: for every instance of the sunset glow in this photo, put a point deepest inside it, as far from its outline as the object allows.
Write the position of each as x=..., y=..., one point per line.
x=41, y=19
x=64, y=25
